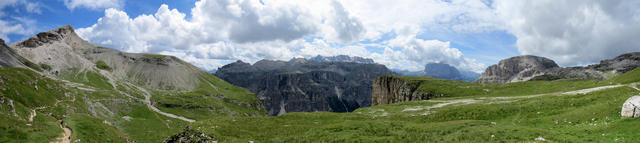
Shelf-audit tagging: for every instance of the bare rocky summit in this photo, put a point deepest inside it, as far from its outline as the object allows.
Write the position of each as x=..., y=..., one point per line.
x=525, y=68
x=519, y=68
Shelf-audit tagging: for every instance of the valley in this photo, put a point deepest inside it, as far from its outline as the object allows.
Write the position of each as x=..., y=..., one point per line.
x=57, y=87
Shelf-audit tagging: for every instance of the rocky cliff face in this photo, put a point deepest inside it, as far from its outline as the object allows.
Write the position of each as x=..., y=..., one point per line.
x=620, y=64
x=519, y=68
x=390, y=89
x=302, y=85
x=64, y=51
x=524, y=68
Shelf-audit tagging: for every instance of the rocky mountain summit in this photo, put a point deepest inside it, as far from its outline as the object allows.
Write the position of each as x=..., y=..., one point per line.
x=302, y=85
x=62, y=50
x=524, y=68
x=519, y=68
x=342, y=58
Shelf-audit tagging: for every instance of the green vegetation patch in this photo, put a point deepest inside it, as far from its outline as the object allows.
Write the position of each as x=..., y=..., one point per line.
x=29, y=88
x=87, y=77
x=154, y=55
x=90, y=129
x=628, y=77
x=45, y=66
x=102, y=65
x=32, y=65
x=451, y=88
x=213, y=97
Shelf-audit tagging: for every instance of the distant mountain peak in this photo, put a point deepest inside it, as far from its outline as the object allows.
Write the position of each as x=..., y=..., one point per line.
x=298, y=60
x=342, y=58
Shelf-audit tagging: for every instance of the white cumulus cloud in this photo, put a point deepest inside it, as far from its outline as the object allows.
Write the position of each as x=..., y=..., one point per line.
x=93, y=4
x=573, y=32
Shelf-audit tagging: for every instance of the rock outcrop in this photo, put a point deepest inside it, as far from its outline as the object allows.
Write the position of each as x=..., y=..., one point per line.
x=302, y=85
x=524, y=68
x=190, y=136
x=631, y=107
x=391, y=89
x=620, y=64
x=519, y=68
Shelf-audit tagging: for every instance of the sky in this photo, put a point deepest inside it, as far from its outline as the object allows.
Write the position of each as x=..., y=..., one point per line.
x=401, y=34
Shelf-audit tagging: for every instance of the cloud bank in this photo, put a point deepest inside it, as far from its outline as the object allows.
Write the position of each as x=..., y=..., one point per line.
x=222, y=31
x=572, y=32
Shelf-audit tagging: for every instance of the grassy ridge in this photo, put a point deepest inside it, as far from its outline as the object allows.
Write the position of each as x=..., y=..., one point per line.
x=214, y=97
x=628, y=77
x=466, y=89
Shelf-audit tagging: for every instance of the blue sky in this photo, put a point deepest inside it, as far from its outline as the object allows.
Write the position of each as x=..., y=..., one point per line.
x=407, y=34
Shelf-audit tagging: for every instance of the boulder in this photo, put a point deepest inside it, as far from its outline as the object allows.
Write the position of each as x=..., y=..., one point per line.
x=631, y=107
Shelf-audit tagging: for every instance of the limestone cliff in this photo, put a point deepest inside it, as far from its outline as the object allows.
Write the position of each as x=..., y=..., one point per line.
x=392, y=89
x=302, y=85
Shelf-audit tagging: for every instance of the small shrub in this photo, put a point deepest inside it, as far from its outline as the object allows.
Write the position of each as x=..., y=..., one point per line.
x=154, y=55
x=32, y=65
x=102, y=65
x=45, y=66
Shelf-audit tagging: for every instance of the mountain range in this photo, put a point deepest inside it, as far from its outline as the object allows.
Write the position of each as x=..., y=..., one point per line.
x=336, y=84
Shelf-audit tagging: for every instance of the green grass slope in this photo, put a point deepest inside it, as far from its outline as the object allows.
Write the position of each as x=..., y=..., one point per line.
x=467, y=89
x=214, y=97
x=628, y=77
x=473, y=113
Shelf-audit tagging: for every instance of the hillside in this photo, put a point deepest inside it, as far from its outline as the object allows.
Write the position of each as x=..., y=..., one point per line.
x=531, y=111
x=80, y=92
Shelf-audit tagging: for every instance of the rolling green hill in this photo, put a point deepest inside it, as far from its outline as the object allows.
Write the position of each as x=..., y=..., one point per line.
x=81, y=93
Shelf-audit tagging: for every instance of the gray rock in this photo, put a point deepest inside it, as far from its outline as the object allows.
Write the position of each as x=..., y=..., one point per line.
x=390, y=89
x=9, y=58
x=631, y=107
x=519, y=68
x=524, y=68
